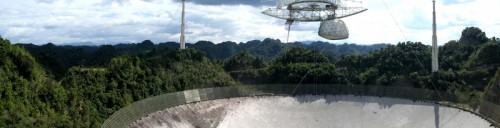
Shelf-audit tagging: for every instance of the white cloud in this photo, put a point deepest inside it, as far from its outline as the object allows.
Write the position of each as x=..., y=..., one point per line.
x=415, y=19
x=110, y=21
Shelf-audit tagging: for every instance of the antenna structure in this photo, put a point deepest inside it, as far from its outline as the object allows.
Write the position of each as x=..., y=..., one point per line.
x=182, y=41
x=435, y=48
x=328, y=12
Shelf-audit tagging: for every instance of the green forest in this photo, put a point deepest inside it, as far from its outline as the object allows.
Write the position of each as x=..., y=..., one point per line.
x=81, y=86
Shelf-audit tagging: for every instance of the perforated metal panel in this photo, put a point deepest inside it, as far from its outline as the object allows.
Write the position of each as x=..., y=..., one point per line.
x=129, y=114
x=333, y=30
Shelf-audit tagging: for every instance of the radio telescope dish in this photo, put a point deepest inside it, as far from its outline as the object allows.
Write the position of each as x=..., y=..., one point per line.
x=328, y=12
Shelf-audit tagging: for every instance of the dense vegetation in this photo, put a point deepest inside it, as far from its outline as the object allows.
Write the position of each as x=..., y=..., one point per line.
x=59, y=59
x=80, y=86
x=86, y=96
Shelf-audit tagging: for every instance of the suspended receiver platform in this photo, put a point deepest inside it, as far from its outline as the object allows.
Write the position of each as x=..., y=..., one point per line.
x=328, y=12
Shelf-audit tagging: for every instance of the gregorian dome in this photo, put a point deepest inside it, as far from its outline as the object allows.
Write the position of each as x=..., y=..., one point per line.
x=333, y=30
x=328, y=12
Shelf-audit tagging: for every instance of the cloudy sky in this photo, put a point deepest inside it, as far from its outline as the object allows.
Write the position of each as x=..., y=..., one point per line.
x=131, y=21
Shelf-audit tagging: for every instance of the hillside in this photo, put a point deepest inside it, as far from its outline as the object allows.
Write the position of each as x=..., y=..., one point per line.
x=58, y=59
x=86, y=96
x=81, y=86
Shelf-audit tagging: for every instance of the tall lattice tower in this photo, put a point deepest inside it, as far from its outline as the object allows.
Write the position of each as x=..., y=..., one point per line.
x=435, y=48
x=182, y=41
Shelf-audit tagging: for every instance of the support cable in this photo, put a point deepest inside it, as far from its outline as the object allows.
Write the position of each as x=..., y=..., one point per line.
x=303, y=77
x=413, y=50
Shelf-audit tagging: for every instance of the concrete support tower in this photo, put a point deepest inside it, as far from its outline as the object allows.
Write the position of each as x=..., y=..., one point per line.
x=183, y=44
x=435, y=48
